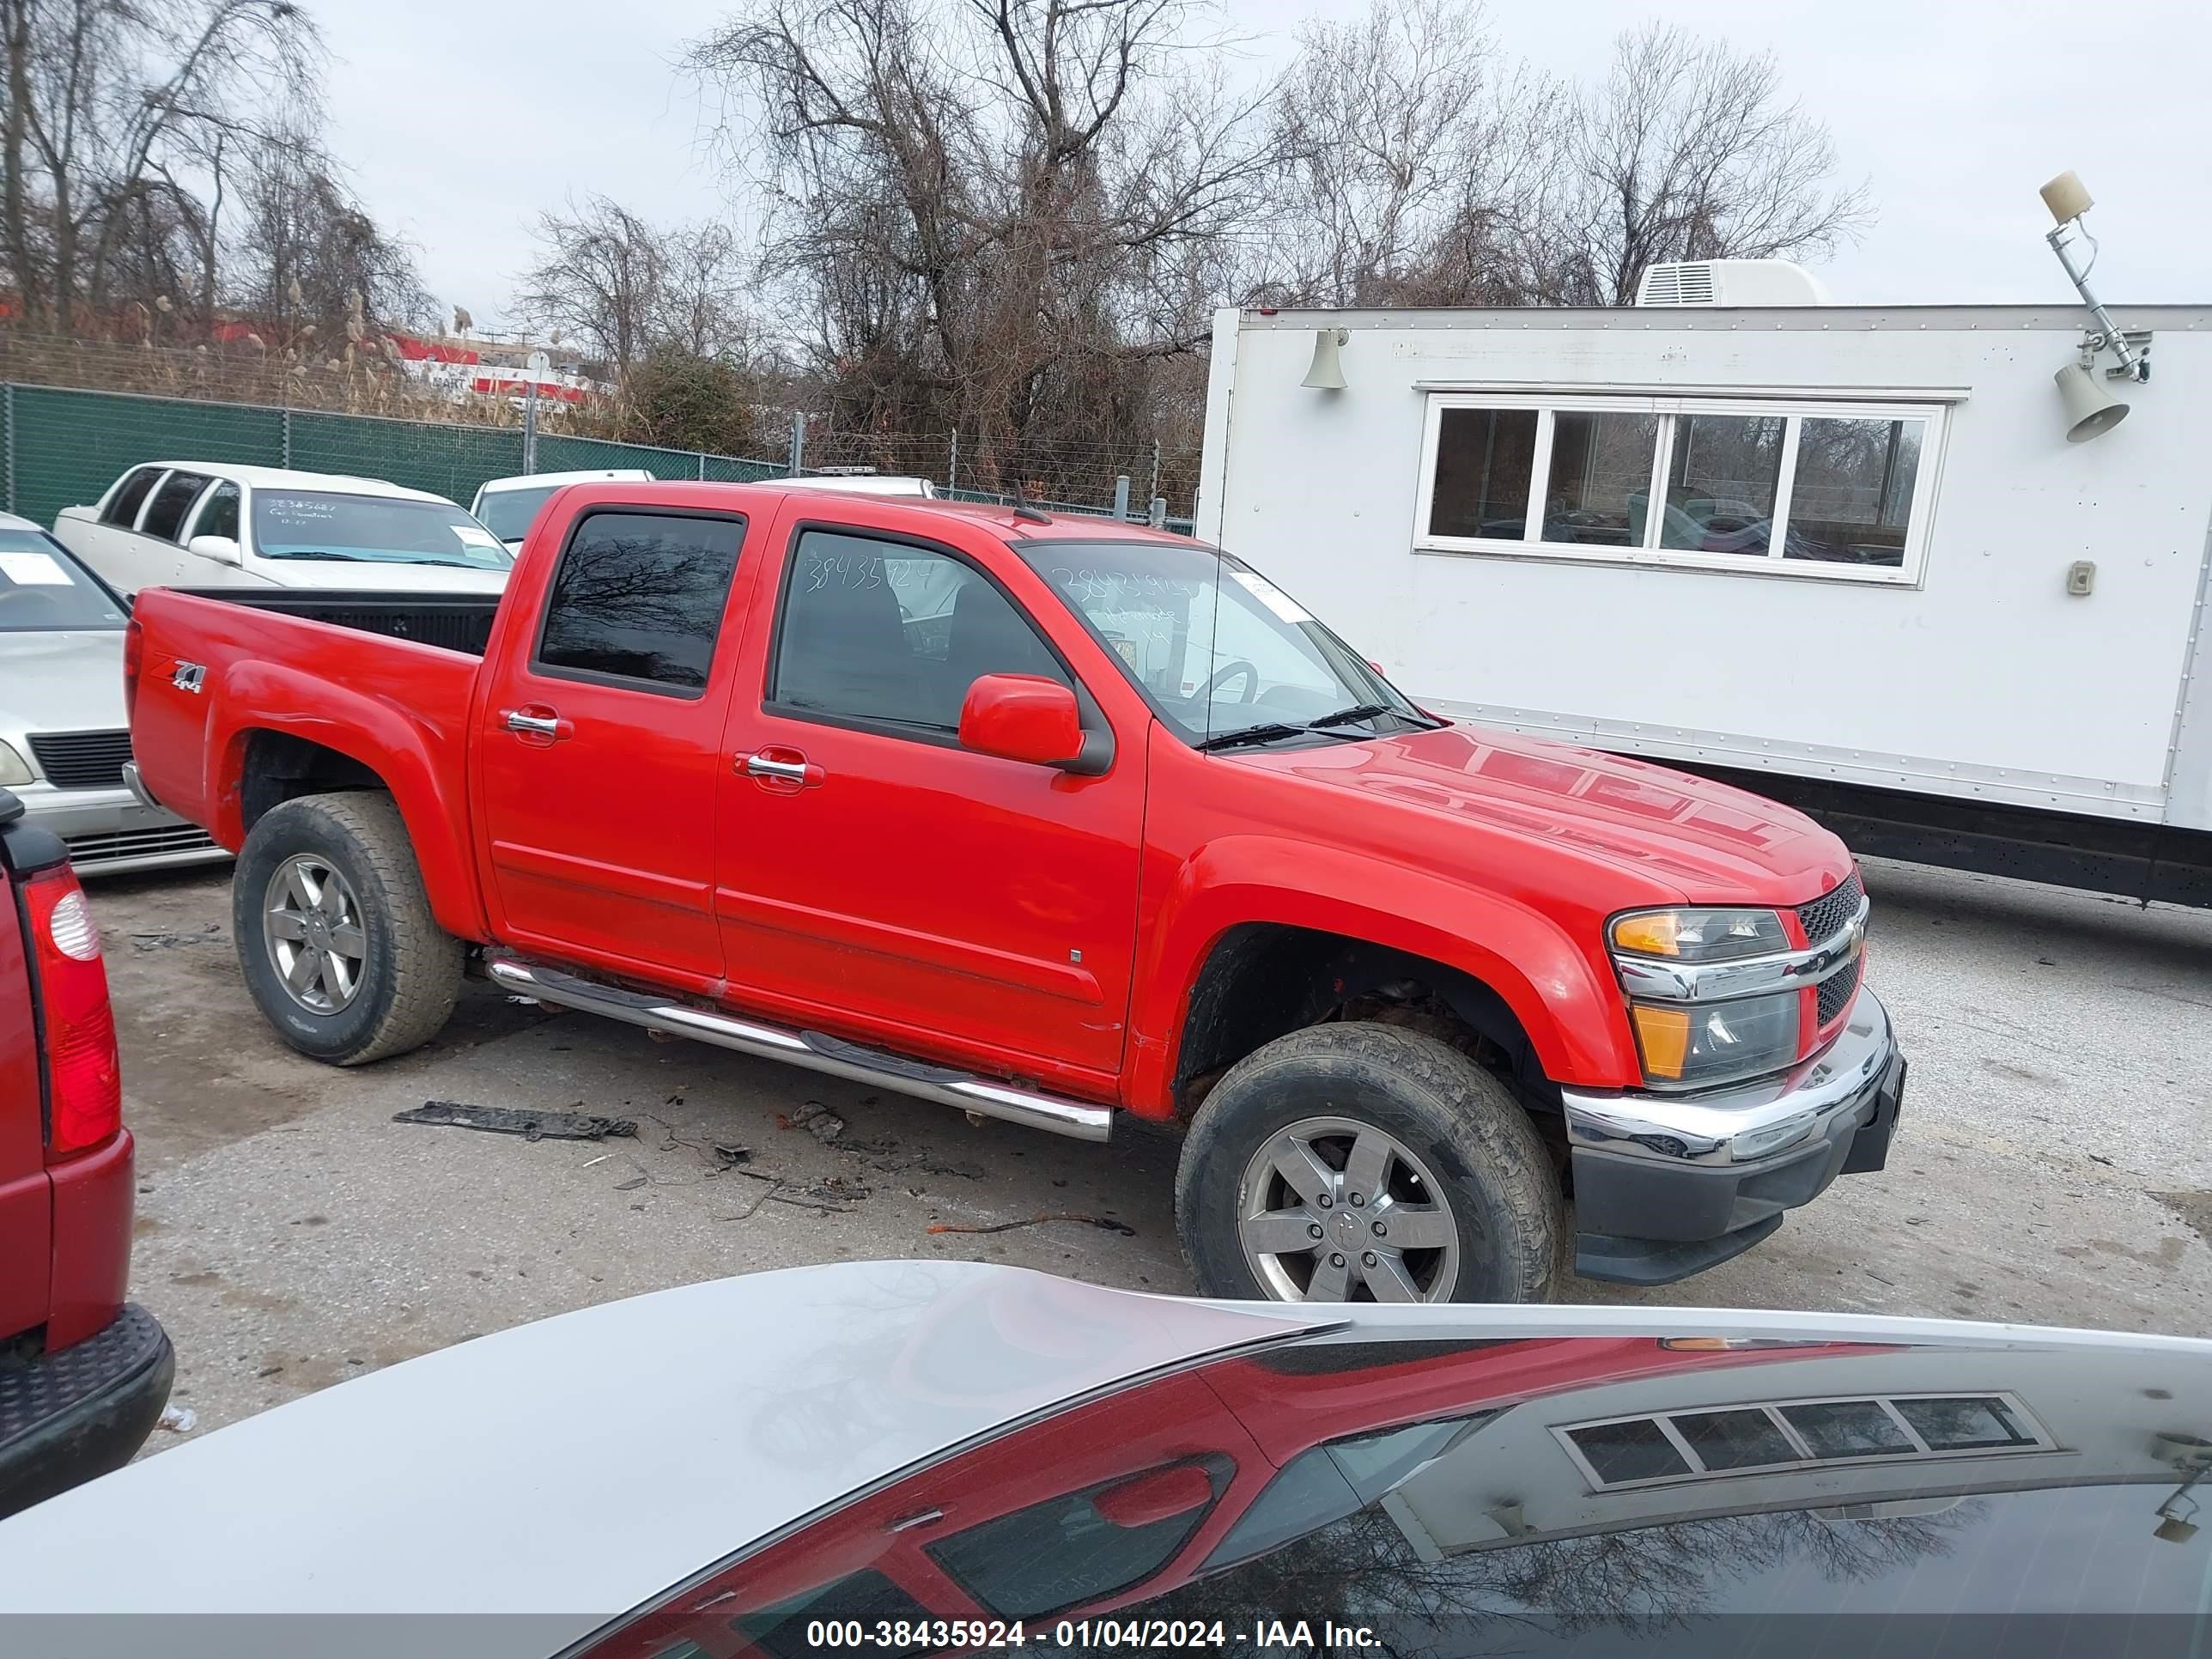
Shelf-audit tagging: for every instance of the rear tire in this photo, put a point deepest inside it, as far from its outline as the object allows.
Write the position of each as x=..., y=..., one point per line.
x=334, y=930
x=1367, y=1162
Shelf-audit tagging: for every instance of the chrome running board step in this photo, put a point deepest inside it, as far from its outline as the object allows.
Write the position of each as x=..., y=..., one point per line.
x=812, y=1050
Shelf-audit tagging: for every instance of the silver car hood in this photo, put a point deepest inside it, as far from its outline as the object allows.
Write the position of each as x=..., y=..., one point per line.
x=66, y=680
x=561, y=1473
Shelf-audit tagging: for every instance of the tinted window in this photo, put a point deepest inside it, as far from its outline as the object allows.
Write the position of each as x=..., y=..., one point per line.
x=881, y=631
x=166, y=517
x=219, y=513
x=640, y=596
x=1060, y=1552
x=123, y=509
x=509, y=513
x=42, y=587
x=1736, y=1440
x=1847, y=1428
x=1483, y=458
x=1628, y=1451
x=866, y=1596
x=1966, y=1425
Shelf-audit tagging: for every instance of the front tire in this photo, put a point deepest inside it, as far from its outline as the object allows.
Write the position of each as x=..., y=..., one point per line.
x=334, y=930
x=1365, y=1162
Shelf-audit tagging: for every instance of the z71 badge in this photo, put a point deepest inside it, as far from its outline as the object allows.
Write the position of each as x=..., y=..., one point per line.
x=189, y=675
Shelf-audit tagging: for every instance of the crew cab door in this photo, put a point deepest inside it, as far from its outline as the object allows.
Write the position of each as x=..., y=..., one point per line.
x=599, y=743
x=875, y=875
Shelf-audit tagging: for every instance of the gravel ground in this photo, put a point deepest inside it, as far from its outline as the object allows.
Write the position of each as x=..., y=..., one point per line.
x=2054, y=1163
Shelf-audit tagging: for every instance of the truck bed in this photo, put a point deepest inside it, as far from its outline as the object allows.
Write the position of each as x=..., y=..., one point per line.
x=455, y=621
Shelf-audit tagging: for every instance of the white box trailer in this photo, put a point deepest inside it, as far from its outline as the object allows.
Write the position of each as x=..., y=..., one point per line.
x=1846, y=557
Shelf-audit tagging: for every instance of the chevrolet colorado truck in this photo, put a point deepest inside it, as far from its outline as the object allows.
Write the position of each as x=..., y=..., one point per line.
x=83, y=1375
x=1048, y=821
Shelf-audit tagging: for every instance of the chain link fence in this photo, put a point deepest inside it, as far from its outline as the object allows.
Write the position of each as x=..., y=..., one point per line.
x=74, y=416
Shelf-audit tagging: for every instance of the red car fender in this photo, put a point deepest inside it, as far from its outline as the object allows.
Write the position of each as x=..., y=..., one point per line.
x=1572, y=1017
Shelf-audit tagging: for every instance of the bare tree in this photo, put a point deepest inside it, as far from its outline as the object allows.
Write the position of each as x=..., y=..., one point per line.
x=1690, y=151
x=1402, y=135
x=600, y=280
x=991, y=215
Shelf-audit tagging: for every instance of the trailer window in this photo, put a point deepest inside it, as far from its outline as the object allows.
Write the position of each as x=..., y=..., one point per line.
x=1821, y=489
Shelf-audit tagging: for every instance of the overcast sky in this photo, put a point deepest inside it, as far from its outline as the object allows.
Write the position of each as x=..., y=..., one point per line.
x=461, y=119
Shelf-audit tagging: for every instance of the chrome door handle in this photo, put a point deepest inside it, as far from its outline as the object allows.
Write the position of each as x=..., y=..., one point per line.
x=542, y=726
x=761, y=766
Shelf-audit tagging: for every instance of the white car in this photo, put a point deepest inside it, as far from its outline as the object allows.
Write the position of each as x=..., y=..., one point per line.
x=508, y=507
x=924, y=1457
x=64, y=734
x=211, y=523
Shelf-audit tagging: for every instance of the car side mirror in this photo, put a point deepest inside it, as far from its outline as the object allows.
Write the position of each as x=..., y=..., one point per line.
x=224, y=550
x=1022, y=717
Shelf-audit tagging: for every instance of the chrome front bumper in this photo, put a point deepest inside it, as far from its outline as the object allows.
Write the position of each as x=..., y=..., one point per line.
x=1667, y=1185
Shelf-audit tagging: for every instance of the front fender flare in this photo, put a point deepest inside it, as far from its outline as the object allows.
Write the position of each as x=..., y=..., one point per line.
x=1571, y=1010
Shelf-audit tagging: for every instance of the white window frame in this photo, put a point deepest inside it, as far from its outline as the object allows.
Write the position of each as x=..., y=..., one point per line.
x=1794, y=407
x=1695, y=1469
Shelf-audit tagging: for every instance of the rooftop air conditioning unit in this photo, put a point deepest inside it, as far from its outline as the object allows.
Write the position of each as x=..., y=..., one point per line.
x=1732, y=282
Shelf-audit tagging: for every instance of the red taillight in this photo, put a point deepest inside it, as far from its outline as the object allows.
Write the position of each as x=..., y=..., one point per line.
x=84, y=1074
x=134, y=654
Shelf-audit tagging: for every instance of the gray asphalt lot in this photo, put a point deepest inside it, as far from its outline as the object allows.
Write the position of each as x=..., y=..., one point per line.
x=2054, y=1163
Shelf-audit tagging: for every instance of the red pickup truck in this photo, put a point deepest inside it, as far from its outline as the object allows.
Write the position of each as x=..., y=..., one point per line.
x=1046, y=820
x=83, y=1375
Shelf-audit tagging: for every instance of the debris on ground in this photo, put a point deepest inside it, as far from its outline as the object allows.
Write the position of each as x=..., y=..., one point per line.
x=816, y=1119
x=836, y=1196
x=529, y=1125
x=178, y=1419
x=211, y=934
x=1106, y=1223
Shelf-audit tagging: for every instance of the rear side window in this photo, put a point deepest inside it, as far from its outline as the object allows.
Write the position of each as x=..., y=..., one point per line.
x=219, y=513
x=175, y=499
x=123, y=511
x=638, y=596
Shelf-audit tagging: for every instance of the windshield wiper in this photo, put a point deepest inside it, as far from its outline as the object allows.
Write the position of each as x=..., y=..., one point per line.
x=316, y=553
x=1359, y=711
x=1266, y=733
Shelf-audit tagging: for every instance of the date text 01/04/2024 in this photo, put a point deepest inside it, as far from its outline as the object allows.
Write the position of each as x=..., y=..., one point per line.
x=907, y=1636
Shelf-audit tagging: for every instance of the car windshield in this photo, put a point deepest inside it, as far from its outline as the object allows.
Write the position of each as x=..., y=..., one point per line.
x=297, y=524
x=42, y=588
x=509, y=513
x=1222, y=654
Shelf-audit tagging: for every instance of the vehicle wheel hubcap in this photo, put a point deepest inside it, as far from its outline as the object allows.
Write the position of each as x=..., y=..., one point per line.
x=312, y=922
x=1333, y=1210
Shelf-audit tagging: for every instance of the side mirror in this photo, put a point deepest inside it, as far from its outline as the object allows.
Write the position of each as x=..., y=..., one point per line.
x=224, y=550
x=1022, y=717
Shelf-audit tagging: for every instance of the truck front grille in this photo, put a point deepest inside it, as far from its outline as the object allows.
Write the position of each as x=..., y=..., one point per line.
x=1827, y=914
x=82, y=760
x=1836, y=991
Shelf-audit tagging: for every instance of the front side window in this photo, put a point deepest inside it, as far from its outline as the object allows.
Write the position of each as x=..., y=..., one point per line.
x=164, y=517
x=219, y=513
x=123, y=511
x=1828, y=489
x=1217, y=647
x=304, y=524
x=1065, y=1551
x=893, y=633
x=43, y=589
x=639, y=596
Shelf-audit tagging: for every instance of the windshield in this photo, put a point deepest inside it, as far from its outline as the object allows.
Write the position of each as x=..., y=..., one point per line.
x=509, y=513
x=1217, y=648
x=43, y=588
x=292, y=524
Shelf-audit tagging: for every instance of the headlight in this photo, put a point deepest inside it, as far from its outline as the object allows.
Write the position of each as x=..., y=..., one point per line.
x=1696, y=1045
x=13, y=770
x=1701, y=935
